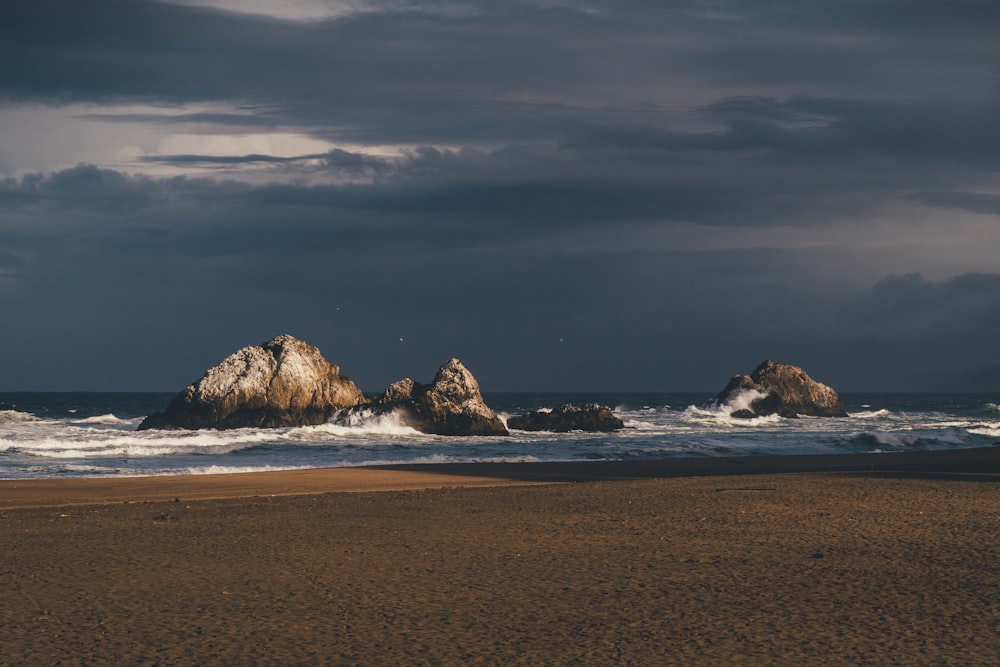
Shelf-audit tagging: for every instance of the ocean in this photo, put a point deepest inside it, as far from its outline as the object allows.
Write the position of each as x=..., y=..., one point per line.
x=94, y=434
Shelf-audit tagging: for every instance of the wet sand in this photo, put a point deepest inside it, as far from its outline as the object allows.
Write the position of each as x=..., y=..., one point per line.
x=773, y=560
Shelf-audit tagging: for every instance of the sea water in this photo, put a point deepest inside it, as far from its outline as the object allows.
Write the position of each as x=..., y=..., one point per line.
x=94, y=434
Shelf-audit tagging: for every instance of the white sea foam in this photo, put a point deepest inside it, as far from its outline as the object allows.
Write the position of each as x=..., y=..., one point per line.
x=953, y=424
x=871, y=414
x=722, y=415
x=234, y=470
x=642, y=424
x=349, y=423
x=430, y=459
x=84, y=468
x=448, y=458
x=741, y=400
x=91, y=442
x=119, y=450
x=12, y=416
x=106, y=445
x=991, y=429
x=109, y=419
x=908, y=439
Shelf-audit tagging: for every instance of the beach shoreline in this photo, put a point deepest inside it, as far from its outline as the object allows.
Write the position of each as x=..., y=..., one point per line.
x=816, y=559
x=981, y=463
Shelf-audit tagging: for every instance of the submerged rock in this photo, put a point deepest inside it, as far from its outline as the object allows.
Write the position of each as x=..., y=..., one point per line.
x=451, y=405
x=283, y=382
x=568, y=417
x=780, y=389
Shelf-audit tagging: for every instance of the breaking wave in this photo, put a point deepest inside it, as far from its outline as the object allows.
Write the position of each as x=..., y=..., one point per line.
x=101, y=439
x=230, y=470
x=108, y=419
x=723, y=415
x=12, y=416
x=366, y=422
x=131, y=444
x=903, y=441
x=991, y=429
x=741, y=400
x=871, y=414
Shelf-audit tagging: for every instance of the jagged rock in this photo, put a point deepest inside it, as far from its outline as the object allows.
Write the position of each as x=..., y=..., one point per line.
x=568, y=417
x=780, y=389
x=283, y=382
x=450, y=405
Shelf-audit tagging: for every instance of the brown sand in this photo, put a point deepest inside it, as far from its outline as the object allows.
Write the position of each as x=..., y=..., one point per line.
x=891, y=562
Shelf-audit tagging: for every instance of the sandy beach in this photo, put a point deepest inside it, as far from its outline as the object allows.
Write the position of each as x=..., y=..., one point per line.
x=768, y=560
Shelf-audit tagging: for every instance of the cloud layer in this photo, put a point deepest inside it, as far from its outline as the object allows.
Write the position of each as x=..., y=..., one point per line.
x=620, y=195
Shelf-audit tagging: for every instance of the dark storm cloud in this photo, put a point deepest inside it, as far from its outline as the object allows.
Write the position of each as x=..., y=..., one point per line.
x=543, y=75
x=335, y=160
x=194, y=160
x=976, y=202
x=82, y=187
x=421, y=73
x=253, y=118
x=353, y=268
x=113, y=49
x=622, y=176
x=227, y=215
x=910, y=306
x=910, y=332
x=827, y=130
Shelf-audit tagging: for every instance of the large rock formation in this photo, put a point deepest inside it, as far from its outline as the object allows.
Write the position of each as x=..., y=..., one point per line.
x=568, y=418
x=450, y=405
x=283, y=382
x=780, y=389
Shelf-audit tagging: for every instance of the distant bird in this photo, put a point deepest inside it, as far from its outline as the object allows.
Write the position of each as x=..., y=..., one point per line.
x=400, y=339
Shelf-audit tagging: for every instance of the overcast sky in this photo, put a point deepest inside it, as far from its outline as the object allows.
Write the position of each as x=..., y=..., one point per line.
x=618, y=195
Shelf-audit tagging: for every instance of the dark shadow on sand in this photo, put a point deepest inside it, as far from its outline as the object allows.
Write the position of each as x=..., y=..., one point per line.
x=980, y=464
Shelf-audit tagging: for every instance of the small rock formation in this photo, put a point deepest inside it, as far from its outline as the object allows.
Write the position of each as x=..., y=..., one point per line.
x=283, y=382
x=450, y=405
x=781, y=389
x=568, y=417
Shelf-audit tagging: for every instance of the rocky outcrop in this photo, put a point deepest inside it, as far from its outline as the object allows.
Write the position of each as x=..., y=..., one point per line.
x=451, y=405
x=283, y=382
x=568, y=417
x=780, y=389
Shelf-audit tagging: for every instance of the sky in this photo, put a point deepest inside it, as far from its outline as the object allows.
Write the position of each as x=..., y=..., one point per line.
x=618, y=195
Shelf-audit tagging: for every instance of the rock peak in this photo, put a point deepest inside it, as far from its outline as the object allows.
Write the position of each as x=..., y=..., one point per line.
x=283, y=382
x=456, y=381
x=451, y=405
x=786, y=390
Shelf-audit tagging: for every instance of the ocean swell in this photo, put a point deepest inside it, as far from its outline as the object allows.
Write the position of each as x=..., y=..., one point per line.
x=99, y=441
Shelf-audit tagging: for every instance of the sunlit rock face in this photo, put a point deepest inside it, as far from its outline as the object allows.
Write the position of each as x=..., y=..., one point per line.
x=781, y=389
x=450, y=405
x=283, y=382
x=568, y=417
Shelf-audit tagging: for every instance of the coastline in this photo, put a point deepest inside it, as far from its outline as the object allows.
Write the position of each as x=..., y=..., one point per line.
x=978, y=463
x=780, y=560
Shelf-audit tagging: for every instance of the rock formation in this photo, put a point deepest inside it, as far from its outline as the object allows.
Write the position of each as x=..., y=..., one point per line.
x=781, y=389
x=450, y=405
x=568, y=417
x=283, y=382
